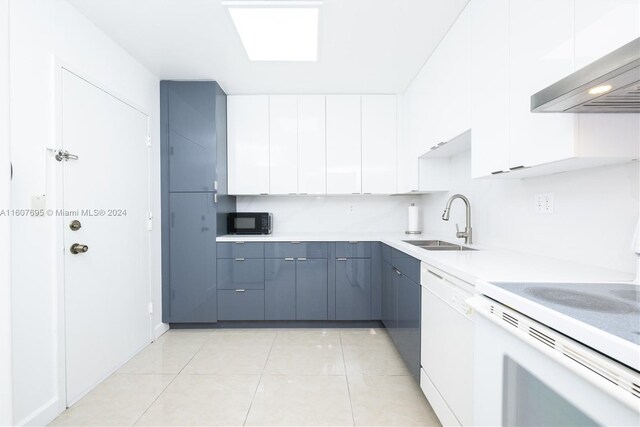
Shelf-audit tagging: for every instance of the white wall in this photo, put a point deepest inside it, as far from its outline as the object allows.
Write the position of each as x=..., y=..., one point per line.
x=6, y=403
x=332, y=214
x=43, y=32
x=595, y=213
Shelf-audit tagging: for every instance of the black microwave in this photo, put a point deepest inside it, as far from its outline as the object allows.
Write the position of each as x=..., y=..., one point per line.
x=249, y=223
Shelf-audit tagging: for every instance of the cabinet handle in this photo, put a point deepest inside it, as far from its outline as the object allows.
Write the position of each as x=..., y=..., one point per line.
x=497, y=172
x=434, y=274
x=288, y=259
x=353, y=242
x=264, y=194
x=518, y=167
x=295, y=243
x=302, y=259
x=341, y=259
x=239, y=243
x=398, y=272
x=239, y=290
x=239, y=259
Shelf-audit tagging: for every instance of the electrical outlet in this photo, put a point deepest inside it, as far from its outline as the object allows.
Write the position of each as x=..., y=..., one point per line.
x=544, y=203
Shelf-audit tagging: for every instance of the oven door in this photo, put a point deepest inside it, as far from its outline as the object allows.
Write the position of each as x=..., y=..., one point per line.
x=523, y=376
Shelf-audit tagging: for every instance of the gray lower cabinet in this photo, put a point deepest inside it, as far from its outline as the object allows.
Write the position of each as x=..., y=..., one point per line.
x=190, y=291
x=401, y=298
x=241, y=304
x=389, y=298
x=353, y=289
x=312, y=289
x=280, y=289
x=240, y=273
x=408, y=336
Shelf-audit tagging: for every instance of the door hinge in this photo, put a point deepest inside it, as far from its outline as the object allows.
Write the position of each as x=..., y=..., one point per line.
x=150, y=221
x=149, y=141
x=150, y=308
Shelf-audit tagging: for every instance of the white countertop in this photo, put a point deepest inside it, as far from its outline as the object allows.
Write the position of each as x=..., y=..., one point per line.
x=483, y=265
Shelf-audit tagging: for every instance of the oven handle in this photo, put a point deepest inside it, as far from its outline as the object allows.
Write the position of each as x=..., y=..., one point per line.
x=479, y=305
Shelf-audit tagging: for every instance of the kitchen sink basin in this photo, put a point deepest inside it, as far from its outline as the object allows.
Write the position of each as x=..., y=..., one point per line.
x=438, y=245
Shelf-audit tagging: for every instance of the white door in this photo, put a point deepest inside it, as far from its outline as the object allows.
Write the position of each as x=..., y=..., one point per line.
x=283, y=144
x=379, y=144
x=312, y=164
x=248, y=144
x=344, y=145
x=106, y=288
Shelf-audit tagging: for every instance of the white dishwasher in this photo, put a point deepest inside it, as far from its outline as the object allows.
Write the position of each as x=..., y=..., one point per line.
x=446, y=376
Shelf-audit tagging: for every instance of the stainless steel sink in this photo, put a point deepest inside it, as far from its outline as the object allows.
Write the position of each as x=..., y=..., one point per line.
x=438, y=245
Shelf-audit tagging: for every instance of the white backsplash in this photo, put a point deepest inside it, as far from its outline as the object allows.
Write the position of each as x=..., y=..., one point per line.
x=330, y=214
x=595, y=213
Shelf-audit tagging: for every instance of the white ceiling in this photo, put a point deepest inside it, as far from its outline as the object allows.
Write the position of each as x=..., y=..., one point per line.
x=366, y=46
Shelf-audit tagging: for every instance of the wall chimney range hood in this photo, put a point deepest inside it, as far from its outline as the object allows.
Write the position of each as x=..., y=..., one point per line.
x=609, y=85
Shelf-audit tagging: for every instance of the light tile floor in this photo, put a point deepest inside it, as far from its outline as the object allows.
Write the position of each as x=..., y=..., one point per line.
x=259, y=377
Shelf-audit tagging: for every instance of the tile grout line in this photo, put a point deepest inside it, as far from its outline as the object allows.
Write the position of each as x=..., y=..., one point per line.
x=346, y=375
x=255, y=392
x=167, y=386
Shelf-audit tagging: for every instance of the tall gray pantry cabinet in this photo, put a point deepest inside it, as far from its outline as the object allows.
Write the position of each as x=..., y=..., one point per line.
x=193, y=139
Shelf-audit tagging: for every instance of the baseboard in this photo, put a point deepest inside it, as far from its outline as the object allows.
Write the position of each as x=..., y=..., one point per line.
x=160, y=329
x=44, y=414
x=257, y=324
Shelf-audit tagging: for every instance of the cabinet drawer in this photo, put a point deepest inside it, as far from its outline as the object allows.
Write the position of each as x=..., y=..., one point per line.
x=240, y=250
x=408, y=265
x=240, y=274
x=246, y=305
x=317, y=250
x=353, y=249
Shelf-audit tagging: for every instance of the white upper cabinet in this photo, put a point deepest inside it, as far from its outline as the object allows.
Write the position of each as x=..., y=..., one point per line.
x=490, y=83
x=602, y=26
x=379, y=132
x=312, y=166
x=344, y=144
x=538, y=56
x=283, y=144
x=248, y=144
x=523, y=143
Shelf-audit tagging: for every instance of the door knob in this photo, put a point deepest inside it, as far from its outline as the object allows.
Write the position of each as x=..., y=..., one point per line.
x=78, y=248
x=75, y=225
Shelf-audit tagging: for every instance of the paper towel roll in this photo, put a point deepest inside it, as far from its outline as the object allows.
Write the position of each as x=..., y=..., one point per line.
x=413, y=220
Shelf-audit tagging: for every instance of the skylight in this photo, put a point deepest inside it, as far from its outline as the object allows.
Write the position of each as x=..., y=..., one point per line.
x=277, y=30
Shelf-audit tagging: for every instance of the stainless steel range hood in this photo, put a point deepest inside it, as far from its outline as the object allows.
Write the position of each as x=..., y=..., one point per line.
x=609, y=85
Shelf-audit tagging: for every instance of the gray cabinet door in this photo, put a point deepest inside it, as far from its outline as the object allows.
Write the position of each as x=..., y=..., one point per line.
x=280, y=289
x=192, y=269
x=192, y=135
x=240, y=273
x=408, y=341
x=353, y=249
x=389, y=298
x=311, y=289
x=241, y=305
x=353, y=289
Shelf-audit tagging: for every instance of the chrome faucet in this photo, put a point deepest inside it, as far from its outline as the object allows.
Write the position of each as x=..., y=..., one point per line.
x=467, y=234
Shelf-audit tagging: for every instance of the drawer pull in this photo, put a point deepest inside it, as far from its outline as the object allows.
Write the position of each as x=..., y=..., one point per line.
x=353, y=242
x=288, y=259
x=239, y=243
x=398, y=272
x=302, y=259
x=341, y=259
x=239, y=290
x=239, y=259
x=434, y=274
x=295, y=243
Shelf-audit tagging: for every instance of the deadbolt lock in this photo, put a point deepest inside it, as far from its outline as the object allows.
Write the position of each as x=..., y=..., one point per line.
x=78, y=248
x=75, y=225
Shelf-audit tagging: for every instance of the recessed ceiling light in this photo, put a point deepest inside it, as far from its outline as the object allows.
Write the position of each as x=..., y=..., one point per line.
x=598, y=90
x=277, y=30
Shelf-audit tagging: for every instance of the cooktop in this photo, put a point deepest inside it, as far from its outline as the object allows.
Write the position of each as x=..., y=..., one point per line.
x=611, y=307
